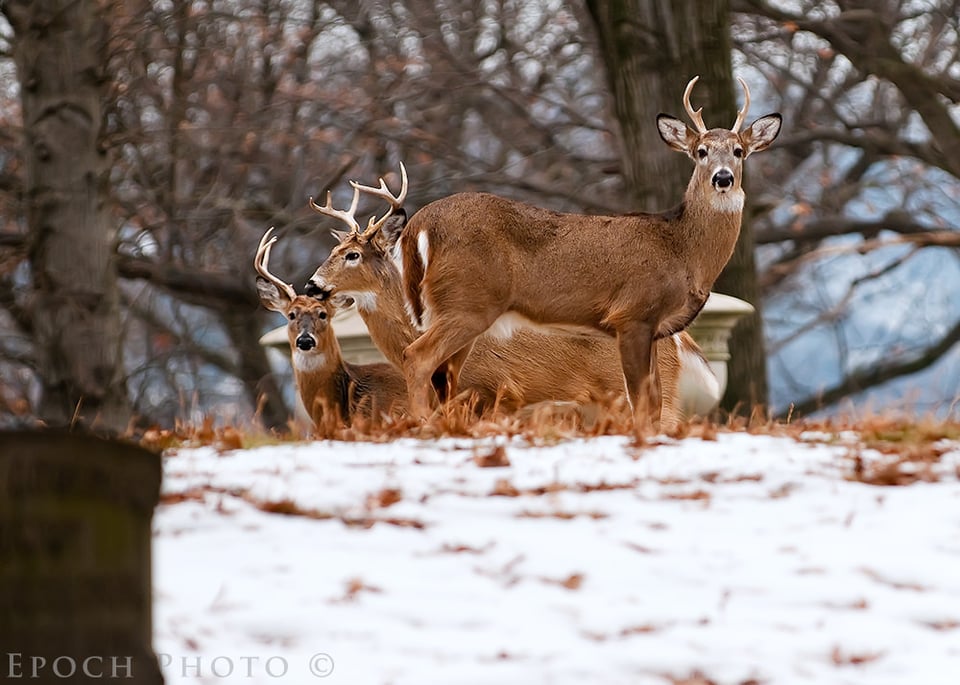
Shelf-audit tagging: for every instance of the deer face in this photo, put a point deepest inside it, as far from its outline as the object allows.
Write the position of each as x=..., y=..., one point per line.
x=719, y=154
x=358, y=267
x=308, y=324
x=346, y=260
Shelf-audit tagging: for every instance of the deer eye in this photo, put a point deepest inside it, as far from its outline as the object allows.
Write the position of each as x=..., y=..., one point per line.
x=292, y=316
x=702, y=152
x=352, y=256
x=322, y=315
x=738, y=152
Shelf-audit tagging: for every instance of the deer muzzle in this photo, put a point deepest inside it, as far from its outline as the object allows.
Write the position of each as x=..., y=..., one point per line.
x=723, y=179
x=305, y=342
x=319, y=290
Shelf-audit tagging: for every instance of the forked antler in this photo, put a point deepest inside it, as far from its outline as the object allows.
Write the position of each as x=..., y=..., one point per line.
x=262, y=261
x=395, y=201
x=742, y=114
x=344, y=215
x=695, y=116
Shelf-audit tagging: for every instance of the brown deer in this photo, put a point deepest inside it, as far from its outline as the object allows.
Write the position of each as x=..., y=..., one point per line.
x=526, y=368
x=473, y=262
x=332, y=390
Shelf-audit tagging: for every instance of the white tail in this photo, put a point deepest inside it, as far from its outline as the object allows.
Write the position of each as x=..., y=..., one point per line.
x=472, y=260
x=526, y=367
x=332, y=390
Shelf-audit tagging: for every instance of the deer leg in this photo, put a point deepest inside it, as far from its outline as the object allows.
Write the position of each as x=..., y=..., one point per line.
x=454, y=365
x=443, y=341
x=668, y=367
x=635, y=343
x=447, y=376
x=654, y=386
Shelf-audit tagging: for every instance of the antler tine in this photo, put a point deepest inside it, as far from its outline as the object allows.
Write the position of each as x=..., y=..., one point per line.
x=262, y=260
x=346, y=216
x=395, y=201
x=742, y=114
x=695, y=116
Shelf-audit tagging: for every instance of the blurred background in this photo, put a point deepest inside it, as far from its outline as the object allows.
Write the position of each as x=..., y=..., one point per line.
x=145, y=146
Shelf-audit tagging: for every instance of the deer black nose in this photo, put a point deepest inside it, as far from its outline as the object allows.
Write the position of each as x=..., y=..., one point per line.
x=723, y=179
x=313, y=290
x=306, y=342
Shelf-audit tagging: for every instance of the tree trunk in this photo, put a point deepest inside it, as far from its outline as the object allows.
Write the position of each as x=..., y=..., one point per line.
x=651, y=49
x=254, y=370
x=60, y=49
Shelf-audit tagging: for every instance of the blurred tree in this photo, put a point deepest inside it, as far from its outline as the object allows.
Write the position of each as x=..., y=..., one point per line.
x=651, y=50
x=59, y=47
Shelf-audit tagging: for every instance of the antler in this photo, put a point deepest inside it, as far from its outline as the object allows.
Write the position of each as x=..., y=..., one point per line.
x=695, y=116
x=742, y=114
x=396, y=201
x=344, y=215
x=261, y=264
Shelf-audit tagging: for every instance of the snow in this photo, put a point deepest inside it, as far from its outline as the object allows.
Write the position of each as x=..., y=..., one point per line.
x=750, y=558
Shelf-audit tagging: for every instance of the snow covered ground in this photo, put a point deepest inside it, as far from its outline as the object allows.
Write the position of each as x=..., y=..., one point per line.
x=748, y=559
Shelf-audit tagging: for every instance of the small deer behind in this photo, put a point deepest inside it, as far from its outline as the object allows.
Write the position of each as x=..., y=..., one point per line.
x=475, y=262
x=332, y=390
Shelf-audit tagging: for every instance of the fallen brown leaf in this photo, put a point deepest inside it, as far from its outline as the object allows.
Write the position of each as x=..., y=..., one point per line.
x=495, y=459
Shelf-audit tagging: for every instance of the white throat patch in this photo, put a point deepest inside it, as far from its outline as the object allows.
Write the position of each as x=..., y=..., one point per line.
x=308, y=362
x=365, y=300
x=729, y=203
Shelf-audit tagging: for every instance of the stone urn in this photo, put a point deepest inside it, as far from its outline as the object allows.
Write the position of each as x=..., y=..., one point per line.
x=711, y=329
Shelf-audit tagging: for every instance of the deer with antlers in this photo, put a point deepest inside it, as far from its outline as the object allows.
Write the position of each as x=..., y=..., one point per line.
x=332, y=390
x=475, y=262
x=524, y=368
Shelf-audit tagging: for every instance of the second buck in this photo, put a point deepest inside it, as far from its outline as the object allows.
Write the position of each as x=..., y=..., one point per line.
x=474, y=262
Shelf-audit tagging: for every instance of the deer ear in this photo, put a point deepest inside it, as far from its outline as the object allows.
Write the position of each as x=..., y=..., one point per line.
x=761, y=133
x=675, y=133
x=390, y=231
x=270, y=296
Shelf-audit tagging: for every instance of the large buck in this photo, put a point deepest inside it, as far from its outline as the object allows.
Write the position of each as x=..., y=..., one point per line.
x=332, y=390
x=473, y=262
x=525, y=368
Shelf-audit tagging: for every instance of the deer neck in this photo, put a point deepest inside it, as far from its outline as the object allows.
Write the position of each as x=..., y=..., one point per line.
x=321, y=379
x=709, y=227
x=388, y=322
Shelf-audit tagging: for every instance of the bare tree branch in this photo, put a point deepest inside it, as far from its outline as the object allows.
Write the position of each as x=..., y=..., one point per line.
x=876, y=375
x=206, y=289
x=814, y=231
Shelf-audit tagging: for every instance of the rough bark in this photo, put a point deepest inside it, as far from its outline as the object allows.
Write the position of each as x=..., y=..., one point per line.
x=651, y=48
x=259, y=381
x=59, y=48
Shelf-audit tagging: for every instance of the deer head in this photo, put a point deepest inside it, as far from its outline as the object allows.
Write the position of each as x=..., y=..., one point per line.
x=718, y=153
x=308, y=319
x=360, y=254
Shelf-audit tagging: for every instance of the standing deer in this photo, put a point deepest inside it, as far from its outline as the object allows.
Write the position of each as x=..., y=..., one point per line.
x=525, y=368
x=474, y=262
x=332, y=390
